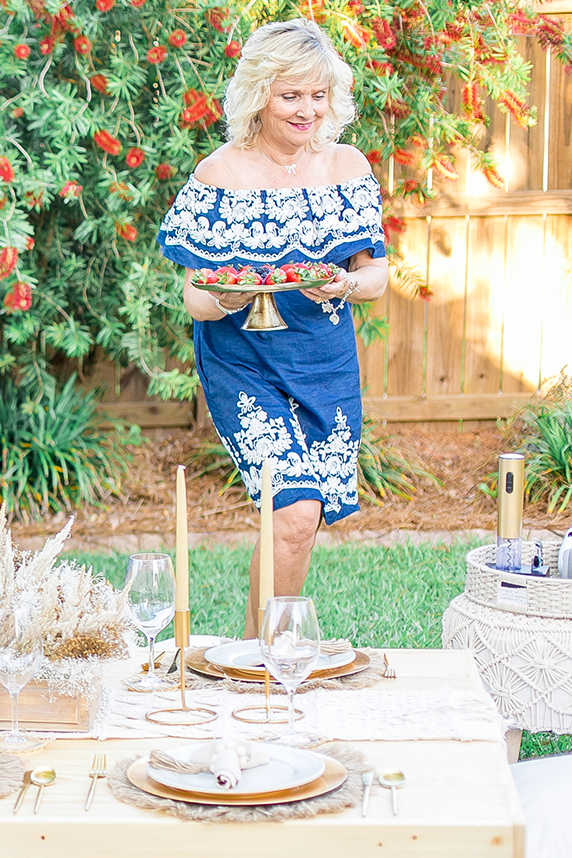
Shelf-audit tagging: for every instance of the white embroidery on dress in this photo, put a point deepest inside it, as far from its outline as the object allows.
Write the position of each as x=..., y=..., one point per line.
x=329, y=466
x=268, y=225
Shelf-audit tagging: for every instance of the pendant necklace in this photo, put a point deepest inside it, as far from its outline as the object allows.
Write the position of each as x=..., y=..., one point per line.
x=290, y=168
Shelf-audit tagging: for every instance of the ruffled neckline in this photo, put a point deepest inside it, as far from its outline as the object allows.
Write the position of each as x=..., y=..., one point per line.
x=339, y=186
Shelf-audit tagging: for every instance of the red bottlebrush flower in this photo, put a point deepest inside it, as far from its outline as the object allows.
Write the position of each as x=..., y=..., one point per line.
x=374, y=157
x=177, y=38
x=471, y=103
x=403, y=157
x=164, y=171
x=70, y=190
x=397, y=107
x=356, y=7
x=445, y=168
x=47, y=45
x=313, y=9
x=216, y=18
x=99, y=82
x=425, y=293
x=393, y=224
x=6, y=171
x=17, y=112
x=126, y=231
x=137, y=4
x=384, y=35
x=356, y=35
x=22, y=52
x=214, y=112
x=409, y=186
x=453, y=32
x=494, y=177
x=105, y=141
x=34, y=200
x=516, y=107
x=233, y=49
x=8, y=261
x=135, y=157
x=82, y=44
x=550, y=33
x=418, y=140
x=19, y=298
x=30, y=243
x=63, y=21
x=380, y=67
x=157, y=55
x=104, y=5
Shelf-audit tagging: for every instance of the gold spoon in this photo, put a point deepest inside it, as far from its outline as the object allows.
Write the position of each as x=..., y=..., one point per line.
x=392, y=779
x=41, y=777
x=23, y=791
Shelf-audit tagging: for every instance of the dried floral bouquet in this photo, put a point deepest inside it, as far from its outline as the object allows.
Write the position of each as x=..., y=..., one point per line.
x=83, y=619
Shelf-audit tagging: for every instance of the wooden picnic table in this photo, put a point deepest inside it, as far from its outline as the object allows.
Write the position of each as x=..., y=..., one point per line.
x=460, y=800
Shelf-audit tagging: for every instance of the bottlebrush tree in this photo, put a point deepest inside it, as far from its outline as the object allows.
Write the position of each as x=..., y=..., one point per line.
x=107, y=105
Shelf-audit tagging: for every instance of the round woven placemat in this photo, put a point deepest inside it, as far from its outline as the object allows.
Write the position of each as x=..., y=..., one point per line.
x=348, y=795
x=11, y=773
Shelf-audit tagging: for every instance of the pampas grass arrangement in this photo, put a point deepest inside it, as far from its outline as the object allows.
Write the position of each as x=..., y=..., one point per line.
x=83, y=619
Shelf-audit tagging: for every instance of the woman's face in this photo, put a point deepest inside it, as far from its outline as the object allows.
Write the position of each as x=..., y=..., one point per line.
x=294, y=111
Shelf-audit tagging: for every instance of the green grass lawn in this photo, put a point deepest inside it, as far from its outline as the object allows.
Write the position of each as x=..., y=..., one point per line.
x=374, y=596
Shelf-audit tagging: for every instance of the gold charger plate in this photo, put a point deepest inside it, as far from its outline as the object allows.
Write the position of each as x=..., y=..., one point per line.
x=197, y=662
x=335, y=774
x=263, y=287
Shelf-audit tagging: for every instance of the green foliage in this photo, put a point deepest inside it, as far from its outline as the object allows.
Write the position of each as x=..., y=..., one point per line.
x=108, y=105
x=52, y=455
x=542, y=431
x=384, y=469
x=375, y=596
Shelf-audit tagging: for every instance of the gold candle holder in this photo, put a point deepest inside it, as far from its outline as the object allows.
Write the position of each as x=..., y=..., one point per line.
x=185, y=716
x=265, y=713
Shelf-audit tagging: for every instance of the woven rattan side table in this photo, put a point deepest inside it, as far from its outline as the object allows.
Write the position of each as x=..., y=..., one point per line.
x=520, y=633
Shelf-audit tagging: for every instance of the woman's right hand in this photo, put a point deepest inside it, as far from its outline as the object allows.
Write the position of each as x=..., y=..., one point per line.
x=233, y=301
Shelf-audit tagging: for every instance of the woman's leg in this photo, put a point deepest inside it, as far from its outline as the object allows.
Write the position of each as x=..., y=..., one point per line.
x=295, y=529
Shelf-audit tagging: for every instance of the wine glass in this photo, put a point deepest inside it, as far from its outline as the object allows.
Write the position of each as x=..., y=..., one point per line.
x=150, y=582
x=290, y=644
x=21, y=652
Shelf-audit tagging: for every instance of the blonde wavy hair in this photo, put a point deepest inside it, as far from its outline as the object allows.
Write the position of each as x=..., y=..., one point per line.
x=296, y=50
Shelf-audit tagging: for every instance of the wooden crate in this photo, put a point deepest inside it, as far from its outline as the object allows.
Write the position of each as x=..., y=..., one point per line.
x=39, y=709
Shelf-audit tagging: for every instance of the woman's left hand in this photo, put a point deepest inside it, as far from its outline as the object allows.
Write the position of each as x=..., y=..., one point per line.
x=340, y=287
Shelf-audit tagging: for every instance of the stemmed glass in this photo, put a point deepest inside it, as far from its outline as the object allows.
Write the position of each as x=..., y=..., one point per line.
x=21, y=652
x=290, y=644
x=150, y=582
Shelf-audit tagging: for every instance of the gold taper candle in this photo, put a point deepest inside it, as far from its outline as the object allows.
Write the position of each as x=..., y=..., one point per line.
x=181, y=544
x=266, y=581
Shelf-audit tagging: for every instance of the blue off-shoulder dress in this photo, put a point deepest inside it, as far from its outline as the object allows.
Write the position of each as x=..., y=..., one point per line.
x=291, y=396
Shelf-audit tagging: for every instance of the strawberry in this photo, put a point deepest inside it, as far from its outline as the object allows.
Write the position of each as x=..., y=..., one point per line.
x=205, y=276
x=276, y=276
x=248, y=277
x=292, y=274
x=227, y=274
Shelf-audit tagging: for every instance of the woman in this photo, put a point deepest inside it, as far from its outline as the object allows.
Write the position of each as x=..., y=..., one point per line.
x=282, y=190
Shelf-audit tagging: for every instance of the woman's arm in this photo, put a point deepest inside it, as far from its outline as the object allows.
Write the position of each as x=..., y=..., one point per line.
x=369, y=275
x=202, y=306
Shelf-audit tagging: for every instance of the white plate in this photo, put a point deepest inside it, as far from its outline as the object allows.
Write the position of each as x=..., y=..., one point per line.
x=288, y=768
x=247, y=655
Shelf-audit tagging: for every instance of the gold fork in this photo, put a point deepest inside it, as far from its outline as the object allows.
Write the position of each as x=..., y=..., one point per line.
x=97, y=771
x=389, y=670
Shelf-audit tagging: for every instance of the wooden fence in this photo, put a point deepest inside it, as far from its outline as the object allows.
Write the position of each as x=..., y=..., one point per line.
x=499, y=263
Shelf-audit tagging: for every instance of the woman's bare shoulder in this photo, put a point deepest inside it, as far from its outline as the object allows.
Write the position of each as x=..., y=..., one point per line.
x=349, y=163
x=219, y=168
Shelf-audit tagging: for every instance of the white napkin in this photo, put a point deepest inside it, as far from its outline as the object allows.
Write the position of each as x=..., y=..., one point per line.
x=225, y=758
x=336, y=646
